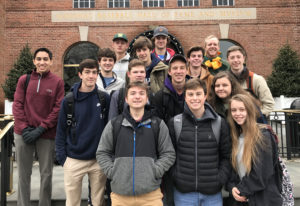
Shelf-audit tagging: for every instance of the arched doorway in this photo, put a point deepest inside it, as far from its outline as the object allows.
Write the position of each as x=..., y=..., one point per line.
x=225, y=44
x=74, y=55
x=174, y=43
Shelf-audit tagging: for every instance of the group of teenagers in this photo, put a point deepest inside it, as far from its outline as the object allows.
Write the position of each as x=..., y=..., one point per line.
x=173, y=130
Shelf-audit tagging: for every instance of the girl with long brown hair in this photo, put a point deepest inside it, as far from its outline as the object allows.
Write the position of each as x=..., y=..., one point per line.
x=223, y=87
x=254, y=155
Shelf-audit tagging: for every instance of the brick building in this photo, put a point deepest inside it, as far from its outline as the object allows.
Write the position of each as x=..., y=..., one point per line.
x=261, y=27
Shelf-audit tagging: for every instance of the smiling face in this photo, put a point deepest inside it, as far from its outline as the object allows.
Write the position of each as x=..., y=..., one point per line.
x=223, y=88
x=136, y=97
x=196, y=59
x=89, y=78
x=238, y=112
x=106, y=64
x=195, y=99
x=144, y=54
x=212, y=47
x=42, y=62
x=177, y=71
x=137, y=74
x=236, y=60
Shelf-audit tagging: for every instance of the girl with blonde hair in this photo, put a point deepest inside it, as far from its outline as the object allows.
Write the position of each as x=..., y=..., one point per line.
x=254, y=155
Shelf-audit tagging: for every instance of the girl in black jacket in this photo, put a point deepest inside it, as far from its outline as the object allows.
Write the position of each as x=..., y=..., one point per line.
x=254, y=155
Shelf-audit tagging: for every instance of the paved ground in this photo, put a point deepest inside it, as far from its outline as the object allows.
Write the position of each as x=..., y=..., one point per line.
x=58, y=193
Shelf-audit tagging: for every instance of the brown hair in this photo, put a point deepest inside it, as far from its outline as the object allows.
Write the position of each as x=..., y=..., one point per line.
x=141, y=42
x=106, y=52
x=88, y=63
x=236, y=88
x=194, y=84
x=237, y=48
x=141, y=85
x=251, y=132
x=134, y=63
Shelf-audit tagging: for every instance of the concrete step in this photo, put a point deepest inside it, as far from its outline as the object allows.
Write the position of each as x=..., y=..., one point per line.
x=58, y=193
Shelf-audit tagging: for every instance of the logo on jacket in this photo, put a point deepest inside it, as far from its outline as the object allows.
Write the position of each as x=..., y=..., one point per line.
x=49, y=91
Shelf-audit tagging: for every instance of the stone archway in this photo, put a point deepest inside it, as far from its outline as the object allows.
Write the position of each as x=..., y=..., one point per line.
x=225, y=44
x=73, y=56
x=174, y=42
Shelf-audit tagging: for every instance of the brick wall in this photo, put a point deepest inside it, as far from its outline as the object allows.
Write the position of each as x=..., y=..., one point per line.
x=28, y=22
x=2, y=51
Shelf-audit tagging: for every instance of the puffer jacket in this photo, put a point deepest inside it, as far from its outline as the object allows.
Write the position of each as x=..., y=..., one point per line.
x=202, y=165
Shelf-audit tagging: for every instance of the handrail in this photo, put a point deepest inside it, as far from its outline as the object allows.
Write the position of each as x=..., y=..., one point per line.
x=6, y=137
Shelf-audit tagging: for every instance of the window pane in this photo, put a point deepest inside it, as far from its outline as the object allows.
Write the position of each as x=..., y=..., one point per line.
x=92, y=4
x=225, y=2
x=110, y=5
x=179, y=3
x=121, y=3
x=75, y=4
x=145, y=4
x=150, y=3
x=220, y=2
x=162, y=4
x=196, y=3
x=81, y=4
x=231, y=2
x=155, y=3
x=214, y=2
x=127, y=4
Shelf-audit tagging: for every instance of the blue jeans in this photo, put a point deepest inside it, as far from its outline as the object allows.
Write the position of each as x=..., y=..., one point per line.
x=197, y=199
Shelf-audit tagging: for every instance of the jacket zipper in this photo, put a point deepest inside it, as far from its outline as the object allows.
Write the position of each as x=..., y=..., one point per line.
x=196, y=155
x=38, y=87
x=133, y=161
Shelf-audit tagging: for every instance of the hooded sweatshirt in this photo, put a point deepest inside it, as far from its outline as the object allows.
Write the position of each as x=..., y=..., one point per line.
x=88, y=129
x=139, y=163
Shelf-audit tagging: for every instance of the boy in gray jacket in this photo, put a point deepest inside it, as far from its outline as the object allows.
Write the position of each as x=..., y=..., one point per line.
x=142, y=150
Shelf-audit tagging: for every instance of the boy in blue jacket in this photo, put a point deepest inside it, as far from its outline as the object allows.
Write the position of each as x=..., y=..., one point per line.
x=76, y=144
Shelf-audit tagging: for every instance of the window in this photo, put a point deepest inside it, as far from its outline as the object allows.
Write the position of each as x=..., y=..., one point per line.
x=188, y=2
x=223, y=2
x=153, y=3
x=84, y=3
x=118, y=3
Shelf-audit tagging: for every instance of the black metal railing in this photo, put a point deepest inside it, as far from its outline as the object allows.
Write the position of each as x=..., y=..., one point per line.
x=286, y=124
x=6, y=137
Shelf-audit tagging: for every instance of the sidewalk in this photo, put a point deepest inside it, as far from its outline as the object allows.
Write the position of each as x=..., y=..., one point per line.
x=58, y=193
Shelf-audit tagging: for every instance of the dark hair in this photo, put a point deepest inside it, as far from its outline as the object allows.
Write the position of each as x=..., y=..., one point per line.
x=89, y=64
x=194, y=84
x=141, y=85
x=43, y=50
x=106, y=52
x=193, y=49
x=141, y=42
x=236, y=88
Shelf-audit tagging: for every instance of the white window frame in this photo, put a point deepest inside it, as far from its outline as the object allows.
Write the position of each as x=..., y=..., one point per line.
x=223, y=4
x=183, y=1
x=153, y=2
x=79, y=1
x=114, y=3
